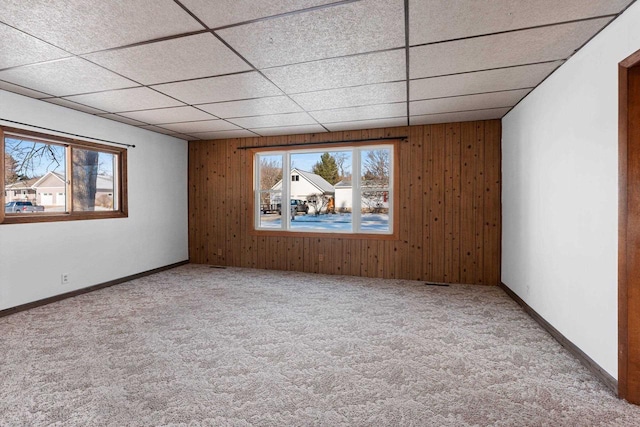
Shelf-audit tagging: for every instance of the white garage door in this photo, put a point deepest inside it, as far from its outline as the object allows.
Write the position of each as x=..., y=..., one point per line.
x=46, y=199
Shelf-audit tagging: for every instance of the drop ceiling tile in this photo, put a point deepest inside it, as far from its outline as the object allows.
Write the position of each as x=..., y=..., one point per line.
x=227, y=12
x=502, y=50
x=182, y=136
x=438, y=20
x=289, y=130
x=65, y=77
x=225, y=134
x=81, y=27
x=115, y=101
x=19, y=48
x=23, y=90
x=224, y=88
x=367, y=124
x=121, y=119
x=169, y=115
x=381, y=93
x=252, y=107
x=74, y=105
x=346, y=29
x=463, y=116
x=274, y=120
x=525, y=76
x=200, y=55
x=378, y=67
x=369, y=112
x=201, y=126
x=467, y=102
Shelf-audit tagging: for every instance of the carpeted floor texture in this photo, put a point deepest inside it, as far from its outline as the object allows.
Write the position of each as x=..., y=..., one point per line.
x=216, y=347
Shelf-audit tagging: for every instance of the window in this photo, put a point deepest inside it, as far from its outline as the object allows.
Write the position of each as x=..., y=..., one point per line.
x=337, y=190
x=61, y=178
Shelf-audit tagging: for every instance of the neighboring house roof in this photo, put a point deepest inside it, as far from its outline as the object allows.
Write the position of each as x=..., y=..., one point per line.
x=21, y=185
x=318, y=181
x=103, y=182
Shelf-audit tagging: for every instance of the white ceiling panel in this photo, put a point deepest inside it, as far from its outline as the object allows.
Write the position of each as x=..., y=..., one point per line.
x=115, y=101
x=201, y=126
x=227, y=12
x=81, y=27
x=361, y=113
x=66, y=77
x=201, y=55
x=121, y=119
x=438, y=20
x=382, y=93
x=74, y=105
x=274, y=120
x=158, y=129
x=169, y=115
x=23, y=90
x=289, y=130
x=335, y=73
x=346, y=29
x=366, y=124
x=467, y=102
x=224, y=88
x=225, y=134
x=501, y=50
x=464, y=116
x=525, y=76
x=252, y=107
x=19, y=48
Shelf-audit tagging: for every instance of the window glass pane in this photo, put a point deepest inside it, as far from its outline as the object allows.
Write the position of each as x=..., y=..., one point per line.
x=94, y=187
x=34, y=176
x=375, y=190
x=315, y=177
x=270, y=191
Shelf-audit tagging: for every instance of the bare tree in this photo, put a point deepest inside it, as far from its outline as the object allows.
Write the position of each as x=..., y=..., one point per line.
x=318, y=201
x=85, y=177
x=270, y=173
x=31, y=157
x=376, y=165
x=341, y=159
x=10, y=169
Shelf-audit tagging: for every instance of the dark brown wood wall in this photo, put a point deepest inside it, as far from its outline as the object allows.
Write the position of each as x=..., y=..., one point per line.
x=448, y=206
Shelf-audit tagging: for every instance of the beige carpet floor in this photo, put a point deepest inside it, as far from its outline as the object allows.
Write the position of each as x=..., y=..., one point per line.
x=201, y=346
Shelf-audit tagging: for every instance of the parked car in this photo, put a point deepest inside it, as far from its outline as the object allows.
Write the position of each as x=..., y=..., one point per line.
x=300, y=205
x=22, y=207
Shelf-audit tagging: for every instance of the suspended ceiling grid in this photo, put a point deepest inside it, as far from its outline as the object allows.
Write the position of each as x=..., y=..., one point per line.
x=199, y=69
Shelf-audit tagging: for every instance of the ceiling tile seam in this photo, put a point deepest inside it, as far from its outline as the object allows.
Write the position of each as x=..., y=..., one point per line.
x=461, y=111
x=535, y=27
x=283, y=126
x=407, y=56
x=262, y=74
x=472, y=94
x=347, y=87
x=489, y=69
x=193, y=79
x=74, y=102
x=365, y=120
x=571, y=55
x=28, y=88
x=193, y=15
x=195, y=134
x=356, y=106
x=285, y=14
x=349, y=55
x=31, y=64
x=146, y=42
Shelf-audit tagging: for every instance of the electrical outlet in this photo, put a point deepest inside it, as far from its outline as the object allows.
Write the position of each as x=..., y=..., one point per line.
x=64, y=278
x=320, y=258
x=219, y=252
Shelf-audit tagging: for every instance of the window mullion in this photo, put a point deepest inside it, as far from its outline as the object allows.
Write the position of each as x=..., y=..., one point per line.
x=68, y=154
x=285, y=204
x=356, y=195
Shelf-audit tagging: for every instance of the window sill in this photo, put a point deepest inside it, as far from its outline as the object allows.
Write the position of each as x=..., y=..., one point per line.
x=28, y=218
x=324, y=235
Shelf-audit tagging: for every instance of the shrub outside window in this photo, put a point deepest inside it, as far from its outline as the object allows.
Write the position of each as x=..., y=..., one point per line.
x=346, y=189
x=49, y=178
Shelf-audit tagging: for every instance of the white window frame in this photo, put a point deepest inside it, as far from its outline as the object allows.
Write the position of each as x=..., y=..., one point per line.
x=356, y=190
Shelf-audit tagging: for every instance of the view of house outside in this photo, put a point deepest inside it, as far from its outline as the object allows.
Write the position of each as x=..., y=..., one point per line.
x=320, y=186
x=36, y=172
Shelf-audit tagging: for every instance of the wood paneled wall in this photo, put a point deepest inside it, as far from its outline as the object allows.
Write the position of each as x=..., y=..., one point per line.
x=448, y=206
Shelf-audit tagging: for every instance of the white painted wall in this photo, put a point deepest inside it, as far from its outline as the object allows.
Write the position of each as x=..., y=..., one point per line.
x=559, y=195
x=33, y=256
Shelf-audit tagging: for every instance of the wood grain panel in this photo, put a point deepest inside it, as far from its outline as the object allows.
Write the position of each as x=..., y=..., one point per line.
x=448, y=209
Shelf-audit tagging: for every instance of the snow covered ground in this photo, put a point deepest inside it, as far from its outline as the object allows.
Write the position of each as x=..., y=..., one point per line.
x=329, y=222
